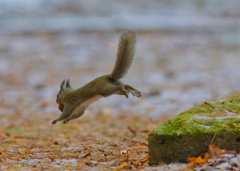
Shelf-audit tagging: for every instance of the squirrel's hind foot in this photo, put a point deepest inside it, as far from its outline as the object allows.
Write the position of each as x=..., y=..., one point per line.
x=136, y=93
x=66, y=120
x=126, y=93
x=133, y=91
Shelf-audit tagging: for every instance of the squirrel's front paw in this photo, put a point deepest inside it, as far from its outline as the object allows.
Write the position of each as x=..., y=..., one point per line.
x=54, y=122
x=66, y=120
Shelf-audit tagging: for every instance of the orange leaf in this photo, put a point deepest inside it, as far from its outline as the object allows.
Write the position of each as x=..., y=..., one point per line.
x=52, y=158
x=86, y=148
x=191, y=159
x=142, y=145
x=206, y=156
x=207, y=104
x=45, y=150
x=26, y=150
x=199, y=160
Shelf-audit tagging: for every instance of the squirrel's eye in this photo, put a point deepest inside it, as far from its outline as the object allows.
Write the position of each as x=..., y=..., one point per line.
x=57, y=96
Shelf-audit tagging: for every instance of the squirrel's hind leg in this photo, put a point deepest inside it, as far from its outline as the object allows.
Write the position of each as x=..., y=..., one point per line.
x=113, y=89
x=56, y=120
x=65, y=121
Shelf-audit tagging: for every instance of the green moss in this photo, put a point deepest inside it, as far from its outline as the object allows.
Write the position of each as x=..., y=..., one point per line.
x=209, y=117
x=187, y=133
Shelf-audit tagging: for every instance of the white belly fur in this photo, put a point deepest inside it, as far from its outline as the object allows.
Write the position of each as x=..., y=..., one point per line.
x=78, y=111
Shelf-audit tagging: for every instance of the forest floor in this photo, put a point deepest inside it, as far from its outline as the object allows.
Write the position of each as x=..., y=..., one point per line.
x=174, y=71
x=100, y=141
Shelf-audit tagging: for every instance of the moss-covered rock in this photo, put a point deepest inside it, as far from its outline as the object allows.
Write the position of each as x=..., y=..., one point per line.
x=188, y=133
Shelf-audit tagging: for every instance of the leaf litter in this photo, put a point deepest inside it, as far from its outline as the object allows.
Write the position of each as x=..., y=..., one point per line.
x=97, y=142
x=101, y=142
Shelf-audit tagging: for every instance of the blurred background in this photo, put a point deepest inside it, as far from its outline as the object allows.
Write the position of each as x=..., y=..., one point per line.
x=187, y=52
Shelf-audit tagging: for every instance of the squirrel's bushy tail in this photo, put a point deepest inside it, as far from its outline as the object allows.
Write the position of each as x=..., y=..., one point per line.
x=126, y=49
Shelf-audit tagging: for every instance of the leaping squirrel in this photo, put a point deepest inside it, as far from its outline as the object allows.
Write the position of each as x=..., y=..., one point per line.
x=73, y=102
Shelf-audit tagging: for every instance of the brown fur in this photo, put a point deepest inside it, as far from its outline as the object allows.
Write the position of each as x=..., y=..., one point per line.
x=73, y=102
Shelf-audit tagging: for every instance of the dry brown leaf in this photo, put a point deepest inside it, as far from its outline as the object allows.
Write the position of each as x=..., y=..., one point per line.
x=88, y=154
x=214, y=150
x=228, y=152
x=207, y=104
x=112, y=144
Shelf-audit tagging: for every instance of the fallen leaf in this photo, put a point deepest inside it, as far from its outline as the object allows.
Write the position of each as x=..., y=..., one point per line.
x=26, y=150
x=191, y=159
x=228, y=152
x=199, y=160
x=122, y=166
x=140, y=144
x=86, y=148
x=90, y=163
x=3, y=155
x=52, y=158
x=206, y=156
x=45, y=150
x=214, y=150
x=88, y=154
x=207, y=104
x=112, y=144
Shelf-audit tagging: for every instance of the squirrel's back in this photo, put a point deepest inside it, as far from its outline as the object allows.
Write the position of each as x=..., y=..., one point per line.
x=126, y=49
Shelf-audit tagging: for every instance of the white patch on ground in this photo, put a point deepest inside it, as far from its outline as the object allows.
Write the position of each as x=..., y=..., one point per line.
x=204, y=126
x=211, y=118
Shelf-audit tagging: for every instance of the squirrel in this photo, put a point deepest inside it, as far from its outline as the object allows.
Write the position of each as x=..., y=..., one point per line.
x=73, y=102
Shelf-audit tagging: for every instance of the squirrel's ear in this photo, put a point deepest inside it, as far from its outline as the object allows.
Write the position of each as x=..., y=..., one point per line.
x=68, y=84
x=62, y=87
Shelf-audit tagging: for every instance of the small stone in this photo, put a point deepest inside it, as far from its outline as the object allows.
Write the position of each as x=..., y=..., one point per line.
x=234, y=161
x=123, y=152
x=224, y=166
